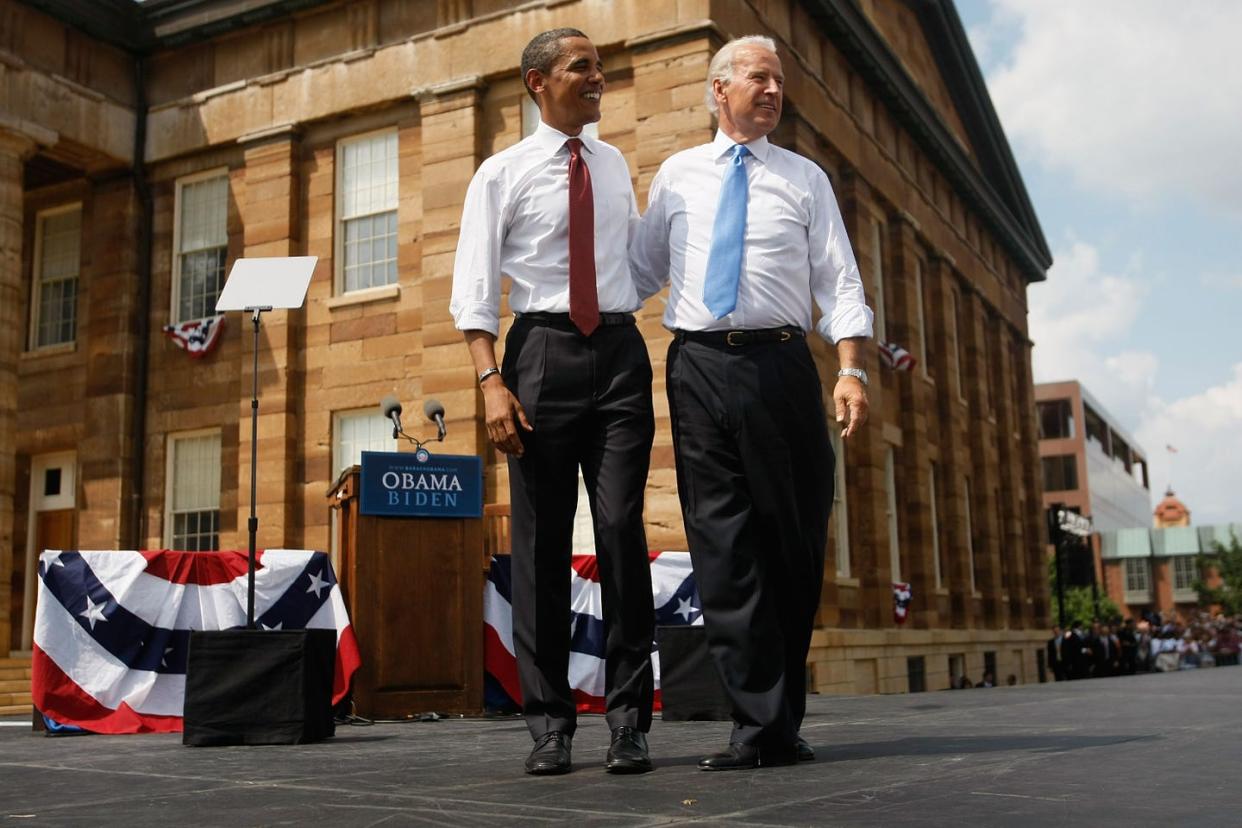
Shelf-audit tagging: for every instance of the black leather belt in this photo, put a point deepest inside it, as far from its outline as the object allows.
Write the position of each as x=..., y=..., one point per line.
x=562, y=320
x=742, y=338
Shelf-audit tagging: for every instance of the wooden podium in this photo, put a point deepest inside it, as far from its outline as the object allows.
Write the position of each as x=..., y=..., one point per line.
x=414, y=587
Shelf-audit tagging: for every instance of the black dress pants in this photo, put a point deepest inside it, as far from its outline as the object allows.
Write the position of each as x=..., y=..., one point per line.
x=589, y=401
x=755, y=476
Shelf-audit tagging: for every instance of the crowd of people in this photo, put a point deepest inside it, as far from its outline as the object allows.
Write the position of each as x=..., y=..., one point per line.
x=1148, y=645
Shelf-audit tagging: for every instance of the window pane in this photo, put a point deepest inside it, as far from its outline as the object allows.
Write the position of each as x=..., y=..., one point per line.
x=357, y=432
x=204, y=214
x=369, y=175
x=840, y=507
x=1055, y=419
x=196, y=473
x=57, y=291
x=371, y=251
x=1060, y=473
x=202, y=277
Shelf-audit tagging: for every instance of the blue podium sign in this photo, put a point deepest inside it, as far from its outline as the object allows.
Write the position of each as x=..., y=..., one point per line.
x=421, y=484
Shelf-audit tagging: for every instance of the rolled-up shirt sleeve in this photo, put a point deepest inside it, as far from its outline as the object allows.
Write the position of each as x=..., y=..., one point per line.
x=475, y=303
x=649, y=251
x=835, y=281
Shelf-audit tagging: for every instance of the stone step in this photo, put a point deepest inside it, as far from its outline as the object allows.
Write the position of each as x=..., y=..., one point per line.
x=15, y=709
x=15, y=686
x=15, y=673
x=23, y=698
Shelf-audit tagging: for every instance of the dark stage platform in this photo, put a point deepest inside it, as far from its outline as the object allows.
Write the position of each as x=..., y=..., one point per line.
x=1145, y=750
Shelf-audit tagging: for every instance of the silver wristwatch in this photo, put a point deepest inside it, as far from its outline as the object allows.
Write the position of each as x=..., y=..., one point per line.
x=857, y=373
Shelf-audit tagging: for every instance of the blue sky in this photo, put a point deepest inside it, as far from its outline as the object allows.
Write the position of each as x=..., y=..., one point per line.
x=1125, y=117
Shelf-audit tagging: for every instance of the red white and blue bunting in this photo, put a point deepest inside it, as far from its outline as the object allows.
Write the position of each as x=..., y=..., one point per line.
x=197, y=337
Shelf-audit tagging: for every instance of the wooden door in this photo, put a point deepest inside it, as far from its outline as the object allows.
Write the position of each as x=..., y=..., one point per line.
x=53, y=530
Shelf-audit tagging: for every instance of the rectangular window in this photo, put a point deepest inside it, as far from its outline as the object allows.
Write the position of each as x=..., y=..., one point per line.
x=192, y=522
x=890, y=491
x=921, y=318
x=1184, y=573
x=1097, y=429
x=877, y=267
x=957, y=341
x=202, y=244
x=1056, y=419
x=916, y=673
x=354, y=432
x=840, y=507
x=1138, y=575
x=970, y=538
x=1060, y=473
x=58, y=246
x=366, y=237
x=937, y=564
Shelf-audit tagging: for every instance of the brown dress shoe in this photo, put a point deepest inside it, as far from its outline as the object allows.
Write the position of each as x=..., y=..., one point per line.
x=550, y=754
x=628, y=752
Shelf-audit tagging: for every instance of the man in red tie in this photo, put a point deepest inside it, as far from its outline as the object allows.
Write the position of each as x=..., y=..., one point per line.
x=553, y=213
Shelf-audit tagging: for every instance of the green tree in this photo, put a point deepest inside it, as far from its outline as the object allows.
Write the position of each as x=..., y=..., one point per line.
x=1227, y=562
x=1078, y=603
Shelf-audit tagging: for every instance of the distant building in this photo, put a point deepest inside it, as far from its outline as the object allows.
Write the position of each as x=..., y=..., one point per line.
x=1148, y=571
x=1087, y=460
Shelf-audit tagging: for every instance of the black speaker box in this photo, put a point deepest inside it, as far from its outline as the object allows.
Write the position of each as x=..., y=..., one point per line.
x=259, y=687
x=690, y=686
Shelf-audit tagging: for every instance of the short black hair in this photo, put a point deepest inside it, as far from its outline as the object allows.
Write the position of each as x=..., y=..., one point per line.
x=543, y=51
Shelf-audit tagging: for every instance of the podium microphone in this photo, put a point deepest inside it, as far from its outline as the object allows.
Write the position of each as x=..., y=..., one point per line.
x=435, y=412
x=391, y=409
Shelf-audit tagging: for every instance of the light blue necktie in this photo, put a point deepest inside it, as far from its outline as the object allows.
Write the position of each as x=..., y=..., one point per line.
x=724, y=261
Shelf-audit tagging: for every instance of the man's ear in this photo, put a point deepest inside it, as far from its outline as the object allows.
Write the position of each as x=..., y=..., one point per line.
x=535, y=80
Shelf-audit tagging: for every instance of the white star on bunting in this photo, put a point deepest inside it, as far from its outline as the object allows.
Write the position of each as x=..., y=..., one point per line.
x=279, y=624
x=685, y=609
x=93, y=612
x=317, y=584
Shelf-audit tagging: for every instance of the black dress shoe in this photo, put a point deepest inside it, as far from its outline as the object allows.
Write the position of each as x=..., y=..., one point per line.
x=806, y=753
x=745, y=757
x=550, y=754
x=628, y=752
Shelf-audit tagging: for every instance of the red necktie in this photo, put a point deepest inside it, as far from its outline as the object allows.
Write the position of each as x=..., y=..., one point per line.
x=583, y=300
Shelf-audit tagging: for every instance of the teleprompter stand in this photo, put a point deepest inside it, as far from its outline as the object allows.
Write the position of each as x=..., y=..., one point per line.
x=256, y=686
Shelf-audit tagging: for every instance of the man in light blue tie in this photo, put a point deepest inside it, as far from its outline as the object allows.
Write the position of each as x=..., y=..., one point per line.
x=746, y=235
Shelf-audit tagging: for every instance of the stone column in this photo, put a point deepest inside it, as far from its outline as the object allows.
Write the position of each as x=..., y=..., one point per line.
x=105, y=455
x=271, y=222
x=916, y=396
x=17, y=143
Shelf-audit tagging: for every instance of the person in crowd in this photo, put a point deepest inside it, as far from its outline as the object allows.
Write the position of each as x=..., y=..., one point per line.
x=1053, y=648
x=1127, y=640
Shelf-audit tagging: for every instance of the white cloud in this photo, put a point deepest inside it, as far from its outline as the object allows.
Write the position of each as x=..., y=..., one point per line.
x=1204, y=429
x=1080, y=320
x=1077, y=317
x=1134, y=98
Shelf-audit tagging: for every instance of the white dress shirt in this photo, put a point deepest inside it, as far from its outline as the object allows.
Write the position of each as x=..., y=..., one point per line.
x=795, y=248
x=515, y=223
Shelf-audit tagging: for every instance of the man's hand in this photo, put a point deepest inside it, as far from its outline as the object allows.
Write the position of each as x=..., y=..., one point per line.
x=850, y=397
x=503, y=413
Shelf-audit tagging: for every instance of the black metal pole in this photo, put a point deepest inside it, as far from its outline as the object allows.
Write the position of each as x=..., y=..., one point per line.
x=1057, y=537
x=254, y=458
x=1095, y=590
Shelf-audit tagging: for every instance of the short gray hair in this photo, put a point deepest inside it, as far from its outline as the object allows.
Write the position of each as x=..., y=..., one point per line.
x=721, y=67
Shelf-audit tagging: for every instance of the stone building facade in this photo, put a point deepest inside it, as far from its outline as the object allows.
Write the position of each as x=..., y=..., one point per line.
x=144, y=148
